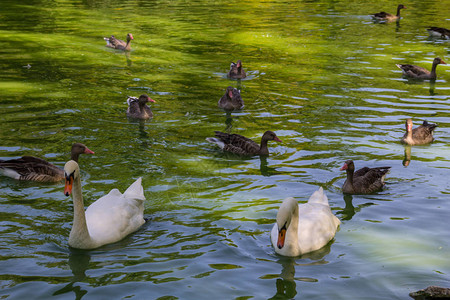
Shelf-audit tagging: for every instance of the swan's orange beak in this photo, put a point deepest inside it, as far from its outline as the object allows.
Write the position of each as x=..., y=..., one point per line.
x=281, y=237
x=68, y=186
x=344, y=167
x=277, y=139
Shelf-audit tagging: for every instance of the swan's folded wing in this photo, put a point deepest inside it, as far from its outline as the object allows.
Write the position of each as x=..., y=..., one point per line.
x=317, y=226
x=115, y=215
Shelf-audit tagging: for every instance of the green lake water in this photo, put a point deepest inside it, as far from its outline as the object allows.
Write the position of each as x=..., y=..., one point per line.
x=322, y=76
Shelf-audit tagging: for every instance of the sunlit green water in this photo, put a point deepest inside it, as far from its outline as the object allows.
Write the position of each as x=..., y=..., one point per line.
x=321, y=75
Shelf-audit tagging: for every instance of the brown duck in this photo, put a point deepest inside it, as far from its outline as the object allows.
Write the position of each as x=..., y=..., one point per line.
x=236, y=71
x=232, y=99
x=387, y=17
x=420, y=135
x=440, y=32
x=138, y=108
x=241, y=145
x=36, y=169
x=365, y=180
x=112, y=42
x=419, y=72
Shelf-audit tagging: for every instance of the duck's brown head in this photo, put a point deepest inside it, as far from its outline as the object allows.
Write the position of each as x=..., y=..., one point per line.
x=348, y=165
x=144, y=99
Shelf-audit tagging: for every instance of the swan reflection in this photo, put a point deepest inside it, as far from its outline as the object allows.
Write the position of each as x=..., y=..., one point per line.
x=78, y=263
x=286, y=287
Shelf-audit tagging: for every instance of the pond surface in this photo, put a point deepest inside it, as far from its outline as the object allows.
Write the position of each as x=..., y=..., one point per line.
x=321, y=75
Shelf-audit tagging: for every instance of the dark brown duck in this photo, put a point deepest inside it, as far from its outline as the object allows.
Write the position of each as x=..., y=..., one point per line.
x=387, y=17
x=138, y=108
x=238, y=144
x=231, y=100
x=420, y=135
x=440, y=32
x=112, y=42
x=236, y=71
x=413, y=71
x=36, y=169
x=365, y=180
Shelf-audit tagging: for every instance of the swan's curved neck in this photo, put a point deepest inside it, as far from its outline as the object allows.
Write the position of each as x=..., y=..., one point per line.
x=291, y=241
x=79, y=235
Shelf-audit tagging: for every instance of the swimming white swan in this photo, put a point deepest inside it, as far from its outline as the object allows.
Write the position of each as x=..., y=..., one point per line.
x=303, y=228
x=107, y=220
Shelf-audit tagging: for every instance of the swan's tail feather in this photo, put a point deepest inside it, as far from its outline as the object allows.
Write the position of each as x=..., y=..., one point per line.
x=319, y=196
x=135, y=191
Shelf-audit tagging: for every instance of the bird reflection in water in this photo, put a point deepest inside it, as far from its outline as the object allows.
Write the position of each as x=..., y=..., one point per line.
x=286, y=287
x=129, y=62
x=349, y=211
x=228, y=122
x=265, y=169
x=407, y=158
x=143, y=135
x=78, y=263
x=432, y=84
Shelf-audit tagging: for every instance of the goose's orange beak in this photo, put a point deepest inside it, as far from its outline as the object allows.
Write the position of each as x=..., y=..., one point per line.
x=88, y=151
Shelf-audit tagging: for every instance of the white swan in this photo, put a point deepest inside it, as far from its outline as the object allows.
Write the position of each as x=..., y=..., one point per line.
x=107, y=220
x=303, y=228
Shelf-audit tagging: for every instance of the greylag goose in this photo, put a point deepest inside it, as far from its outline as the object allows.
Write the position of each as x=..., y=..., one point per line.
x=439, y=32
x=107, y=220
x=241, y=145
x=36, y=169
x=420, y=135
x=384, y=16
x=138, y=108
x=236, y=71
x=419, y=72
x=302, y=228
x=365, y=180
x=232, y=99
x=112, y=42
